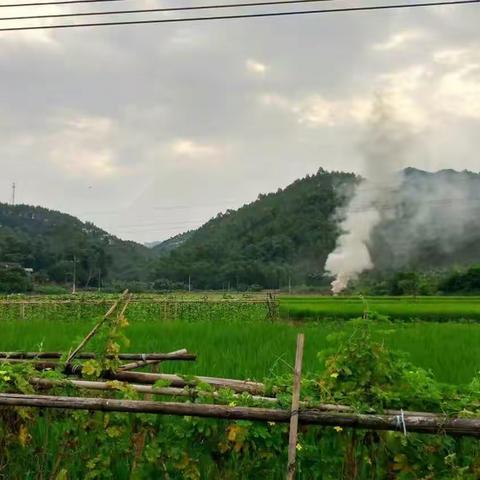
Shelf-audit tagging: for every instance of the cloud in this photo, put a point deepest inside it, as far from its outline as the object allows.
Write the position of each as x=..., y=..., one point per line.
x=314, y=111
x=398, y=41
x=459, y=91
x=83, y=146
x=451, y=56
x=190, y=148
x=241, y=106
x=255, y=67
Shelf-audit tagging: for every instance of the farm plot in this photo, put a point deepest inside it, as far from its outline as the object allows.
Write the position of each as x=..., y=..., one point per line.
x=344, y=362
x=404, y=308
x=257, y=349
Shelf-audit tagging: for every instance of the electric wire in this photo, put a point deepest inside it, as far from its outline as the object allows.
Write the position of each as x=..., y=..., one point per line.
x=63, y=2
x=165, y=9
x=243, y=16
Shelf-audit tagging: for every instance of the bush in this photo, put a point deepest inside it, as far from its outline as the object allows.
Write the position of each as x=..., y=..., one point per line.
x=14, y=280
x=50, y=289
x=463, y=282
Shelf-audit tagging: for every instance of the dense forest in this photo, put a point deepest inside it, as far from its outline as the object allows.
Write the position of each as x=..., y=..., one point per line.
x=282, y=237
x=430, y=225
x=429, y=235
x=52, y=246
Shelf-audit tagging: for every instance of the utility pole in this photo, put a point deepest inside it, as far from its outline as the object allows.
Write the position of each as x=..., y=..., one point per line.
x=74, y=285
x=189, y=283
x=289, y=284
x=13, y=193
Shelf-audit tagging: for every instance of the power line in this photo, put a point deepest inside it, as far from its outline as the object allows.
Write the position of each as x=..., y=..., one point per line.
x=152, y=10
x=65, y=2
x=244, y=16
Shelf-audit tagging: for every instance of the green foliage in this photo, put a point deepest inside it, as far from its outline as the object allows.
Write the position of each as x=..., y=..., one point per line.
x=281, y=236
x=360, y=372
x=48, y=241
x=459, y=282
x=433, y=308
x=14, y=280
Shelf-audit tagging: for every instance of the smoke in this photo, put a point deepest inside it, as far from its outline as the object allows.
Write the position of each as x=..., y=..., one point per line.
x=384, y=149
x=436, y=221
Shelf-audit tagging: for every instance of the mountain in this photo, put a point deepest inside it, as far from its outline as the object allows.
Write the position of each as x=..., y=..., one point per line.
x=152, y=244
x=432, y=221
x=165, y=247
x=281, y=236
x=48, y=241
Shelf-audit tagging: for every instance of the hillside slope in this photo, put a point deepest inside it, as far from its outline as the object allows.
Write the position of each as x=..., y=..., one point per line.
x=281, y=236
x=48, y=241
x=431, y=222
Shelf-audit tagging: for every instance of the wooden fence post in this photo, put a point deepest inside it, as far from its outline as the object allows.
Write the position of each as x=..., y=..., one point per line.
x=297, y=377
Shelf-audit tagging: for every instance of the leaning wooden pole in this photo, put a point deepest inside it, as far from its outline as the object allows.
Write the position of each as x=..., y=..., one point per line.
x=94, y=330
x=297, y=380
x=419, y=424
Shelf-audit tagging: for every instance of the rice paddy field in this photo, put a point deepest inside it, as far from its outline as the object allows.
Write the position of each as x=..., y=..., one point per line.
x=235, y=337
x=258, y=349
x=404, y=308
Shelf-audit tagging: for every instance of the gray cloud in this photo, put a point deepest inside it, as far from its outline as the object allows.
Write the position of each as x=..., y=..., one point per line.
x=149, y=131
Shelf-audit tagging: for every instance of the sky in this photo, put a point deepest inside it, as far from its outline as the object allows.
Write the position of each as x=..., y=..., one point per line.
x=151, y=130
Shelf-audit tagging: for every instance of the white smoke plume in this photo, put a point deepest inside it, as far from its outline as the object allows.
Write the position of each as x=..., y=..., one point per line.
x=384, y=150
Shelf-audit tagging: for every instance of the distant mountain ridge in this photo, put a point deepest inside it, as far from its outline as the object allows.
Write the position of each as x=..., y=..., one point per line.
x=48, y=241
x=165, y=247
x=286, y=236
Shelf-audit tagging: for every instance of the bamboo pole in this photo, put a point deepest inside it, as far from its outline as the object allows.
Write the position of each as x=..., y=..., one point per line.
x=178, y=381
x=94, y=330
x=418, y=424
x=144, y=363
x=109, y=386
x=25, y=356
x=189, y=392
x=150, y=378
x=297, y=377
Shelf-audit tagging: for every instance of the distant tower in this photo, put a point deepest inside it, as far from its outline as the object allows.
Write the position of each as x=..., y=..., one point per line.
x=13, y=193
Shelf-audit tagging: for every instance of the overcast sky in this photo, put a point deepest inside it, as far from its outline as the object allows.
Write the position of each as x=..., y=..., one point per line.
x=149, y=131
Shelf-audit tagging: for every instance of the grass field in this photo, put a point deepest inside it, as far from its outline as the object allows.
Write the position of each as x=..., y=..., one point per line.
x=235, y=340
x=256, y=350
x=405, y=308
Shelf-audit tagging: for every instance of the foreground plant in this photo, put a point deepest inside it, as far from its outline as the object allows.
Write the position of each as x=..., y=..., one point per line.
x=362, y=373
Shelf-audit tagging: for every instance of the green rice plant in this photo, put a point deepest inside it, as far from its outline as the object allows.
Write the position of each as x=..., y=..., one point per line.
x=404, y=308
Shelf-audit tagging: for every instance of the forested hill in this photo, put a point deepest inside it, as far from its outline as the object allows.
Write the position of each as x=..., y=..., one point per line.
x=48, y=241
x=281, y=236
x=431, y=222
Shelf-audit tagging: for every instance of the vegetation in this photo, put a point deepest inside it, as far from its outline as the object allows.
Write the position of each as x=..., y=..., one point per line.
x=238, y=348
x=14, y=279
x=284, y=238
x=405, y=308
x=281, y=236
x=355, y=367
x=466, y=281
x=49, y=242
x=281, y=240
